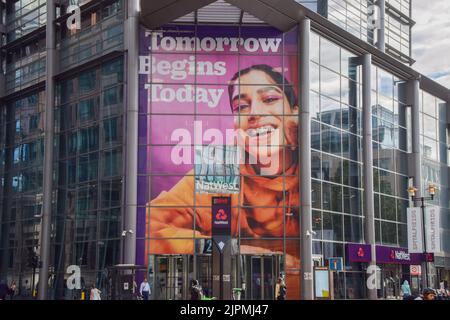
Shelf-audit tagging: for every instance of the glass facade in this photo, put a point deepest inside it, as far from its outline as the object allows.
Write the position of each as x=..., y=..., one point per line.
x=434, y=147
x=22, y=174
x=390, y=159
x=357, y=17
x=201, y=82
x=88, y=168
x=101, y=33
x=23, y=17
x=336, y=157
x=398, y=28
x=25, y=65
x=89, y=133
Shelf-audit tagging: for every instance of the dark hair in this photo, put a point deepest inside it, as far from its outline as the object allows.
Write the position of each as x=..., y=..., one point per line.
x=276, y=76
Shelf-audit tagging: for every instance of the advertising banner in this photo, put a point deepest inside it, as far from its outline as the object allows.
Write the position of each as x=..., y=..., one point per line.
x=433, y=234
x=415, y=234
x=218, y=116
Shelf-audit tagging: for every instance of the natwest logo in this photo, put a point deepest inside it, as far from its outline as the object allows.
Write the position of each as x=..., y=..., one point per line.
x=400, y=255
x=360, y=252
x=221, y=215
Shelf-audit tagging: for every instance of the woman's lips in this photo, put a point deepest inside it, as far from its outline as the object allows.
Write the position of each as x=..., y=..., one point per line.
x=260, y=131
x=264, y=139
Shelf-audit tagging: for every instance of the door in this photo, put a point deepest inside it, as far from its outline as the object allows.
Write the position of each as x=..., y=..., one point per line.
x=261, y=274
x=204, y=271
x=172, y=277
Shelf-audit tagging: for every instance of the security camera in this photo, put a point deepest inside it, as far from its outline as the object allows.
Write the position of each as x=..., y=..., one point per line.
x=124, y=233
x=130, y=231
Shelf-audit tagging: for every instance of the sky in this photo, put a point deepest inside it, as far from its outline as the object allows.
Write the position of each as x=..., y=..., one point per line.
x=431, y=39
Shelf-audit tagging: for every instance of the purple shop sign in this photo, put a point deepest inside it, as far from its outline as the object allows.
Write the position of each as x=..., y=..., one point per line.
x=358, y=252
x=362, y=253
x=397, y=255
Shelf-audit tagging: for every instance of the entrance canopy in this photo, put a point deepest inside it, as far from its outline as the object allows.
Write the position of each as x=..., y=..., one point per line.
x=271, y=12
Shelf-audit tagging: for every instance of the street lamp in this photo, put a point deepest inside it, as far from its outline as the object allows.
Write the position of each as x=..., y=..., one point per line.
x=412, y=192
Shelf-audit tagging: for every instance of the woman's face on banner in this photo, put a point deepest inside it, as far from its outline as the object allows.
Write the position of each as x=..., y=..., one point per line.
x=263, y=116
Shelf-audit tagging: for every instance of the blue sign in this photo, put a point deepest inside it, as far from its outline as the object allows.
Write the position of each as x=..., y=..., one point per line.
x=335, y=264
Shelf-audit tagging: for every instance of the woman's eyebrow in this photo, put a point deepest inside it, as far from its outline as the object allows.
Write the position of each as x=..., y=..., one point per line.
x=239, y=96
x=265, y=89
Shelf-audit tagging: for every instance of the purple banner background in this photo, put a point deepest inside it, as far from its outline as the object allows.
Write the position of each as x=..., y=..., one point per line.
x=352, y=252
x=387, y=255
x=158, y=128
x=384, y=254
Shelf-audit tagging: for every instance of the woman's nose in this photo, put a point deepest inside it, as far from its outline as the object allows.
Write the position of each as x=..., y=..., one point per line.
x=255, y=111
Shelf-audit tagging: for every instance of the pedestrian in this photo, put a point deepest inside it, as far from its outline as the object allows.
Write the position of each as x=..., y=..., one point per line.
x=196, y=290
x=427, y=294
x=280, y=289
x=95, y=293
x=145, y=289
x=4, y=290
x=12, y=290
x=406, y=289
x=442, y=292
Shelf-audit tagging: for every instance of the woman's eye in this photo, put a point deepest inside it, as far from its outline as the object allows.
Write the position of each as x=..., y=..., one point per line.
x=243, y=106
x=271, y=99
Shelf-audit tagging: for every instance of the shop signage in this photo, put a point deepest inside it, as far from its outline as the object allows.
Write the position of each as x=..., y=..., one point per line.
x=393, y=255
x=432, y=223
x=358, y=252
x=221, y=221
x=335, y=264
x=429, y=257
x=415, y=270
x=415, y=235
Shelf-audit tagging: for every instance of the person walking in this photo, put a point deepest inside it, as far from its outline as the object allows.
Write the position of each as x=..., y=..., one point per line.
x=145, y=289
x=12, y=290
x=196, y=290
x=280, y=289
x=406, y=289
x=4, y=290
x=95, y=293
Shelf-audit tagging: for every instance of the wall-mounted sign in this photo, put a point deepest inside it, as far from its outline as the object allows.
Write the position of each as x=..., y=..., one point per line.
x=415, y=270
x=433, y=234
x=393, y=255
x=221, y=221
x=359, y=252
x=429, y=257
x=415, y=235
x=335, y=264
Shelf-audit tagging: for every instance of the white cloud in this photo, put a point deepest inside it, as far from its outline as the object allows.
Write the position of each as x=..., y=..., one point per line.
x=431, y=39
